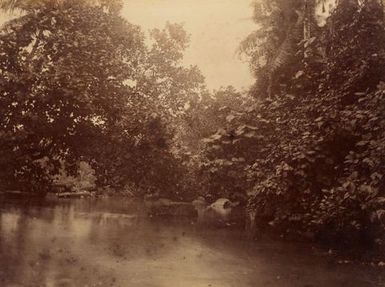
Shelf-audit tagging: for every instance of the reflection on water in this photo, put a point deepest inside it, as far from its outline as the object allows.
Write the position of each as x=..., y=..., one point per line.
x=107, y=242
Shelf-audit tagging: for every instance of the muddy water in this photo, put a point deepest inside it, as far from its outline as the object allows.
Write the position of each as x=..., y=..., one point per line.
x=106, y=242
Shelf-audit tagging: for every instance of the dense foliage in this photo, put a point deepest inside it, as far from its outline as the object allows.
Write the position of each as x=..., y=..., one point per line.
x=79, y=83
x=311, y=152
x=304, y=150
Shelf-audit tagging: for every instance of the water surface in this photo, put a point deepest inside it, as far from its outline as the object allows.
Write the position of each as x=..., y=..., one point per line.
x=108, y=242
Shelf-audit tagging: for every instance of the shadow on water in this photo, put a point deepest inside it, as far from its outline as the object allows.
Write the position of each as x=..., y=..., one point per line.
x=108, y=242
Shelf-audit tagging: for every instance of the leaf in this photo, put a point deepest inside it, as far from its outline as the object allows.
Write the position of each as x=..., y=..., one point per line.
x=376, y=176
x=368, y=161
x=216, y=147
x=381, y=200
x=252, y=128
x=309, y=42
x=360, y=94
x=208, y=140
x=221, y=132
x=380, y=214
x=299, y=74
x=240, y=130
x=362, y=143
x=251, y=134
x=230, y=118
x=216, y=136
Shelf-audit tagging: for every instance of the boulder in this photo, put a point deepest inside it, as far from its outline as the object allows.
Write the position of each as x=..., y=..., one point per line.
x=222, y=211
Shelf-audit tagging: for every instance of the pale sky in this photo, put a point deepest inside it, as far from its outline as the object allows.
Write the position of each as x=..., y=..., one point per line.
x=216, y=28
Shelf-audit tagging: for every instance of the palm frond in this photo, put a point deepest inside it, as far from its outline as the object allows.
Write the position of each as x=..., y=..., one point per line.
x=287, y=48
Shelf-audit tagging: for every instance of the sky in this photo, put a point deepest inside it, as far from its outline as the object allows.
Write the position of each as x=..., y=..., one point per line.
x=216, y=28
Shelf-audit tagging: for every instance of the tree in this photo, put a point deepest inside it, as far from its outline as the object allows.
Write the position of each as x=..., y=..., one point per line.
x=31, y=5
x=78, y=78
x=283, y=27
x=223, y=156
x=312, y=151
x=63, y=71
x=164, y=91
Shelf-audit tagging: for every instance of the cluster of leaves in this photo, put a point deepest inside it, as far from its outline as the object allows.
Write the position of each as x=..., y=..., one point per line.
x=80, y=83
x=272, y=48
x=226, y=150
x=54, y=82
x=312, y=154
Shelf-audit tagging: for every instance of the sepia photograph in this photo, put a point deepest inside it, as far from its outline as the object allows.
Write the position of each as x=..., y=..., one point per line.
x=192, y=143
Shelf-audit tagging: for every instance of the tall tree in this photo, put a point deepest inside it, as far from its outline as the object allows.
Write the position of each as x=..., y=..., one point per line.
x=272, y=49
x=313, y=155
x=30, y=5
x=63, y=78
x=77, y=78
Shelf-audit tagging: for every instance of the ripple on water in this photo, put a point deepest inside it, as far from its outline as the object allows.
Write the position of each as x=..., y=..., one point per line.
x=107, y=243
